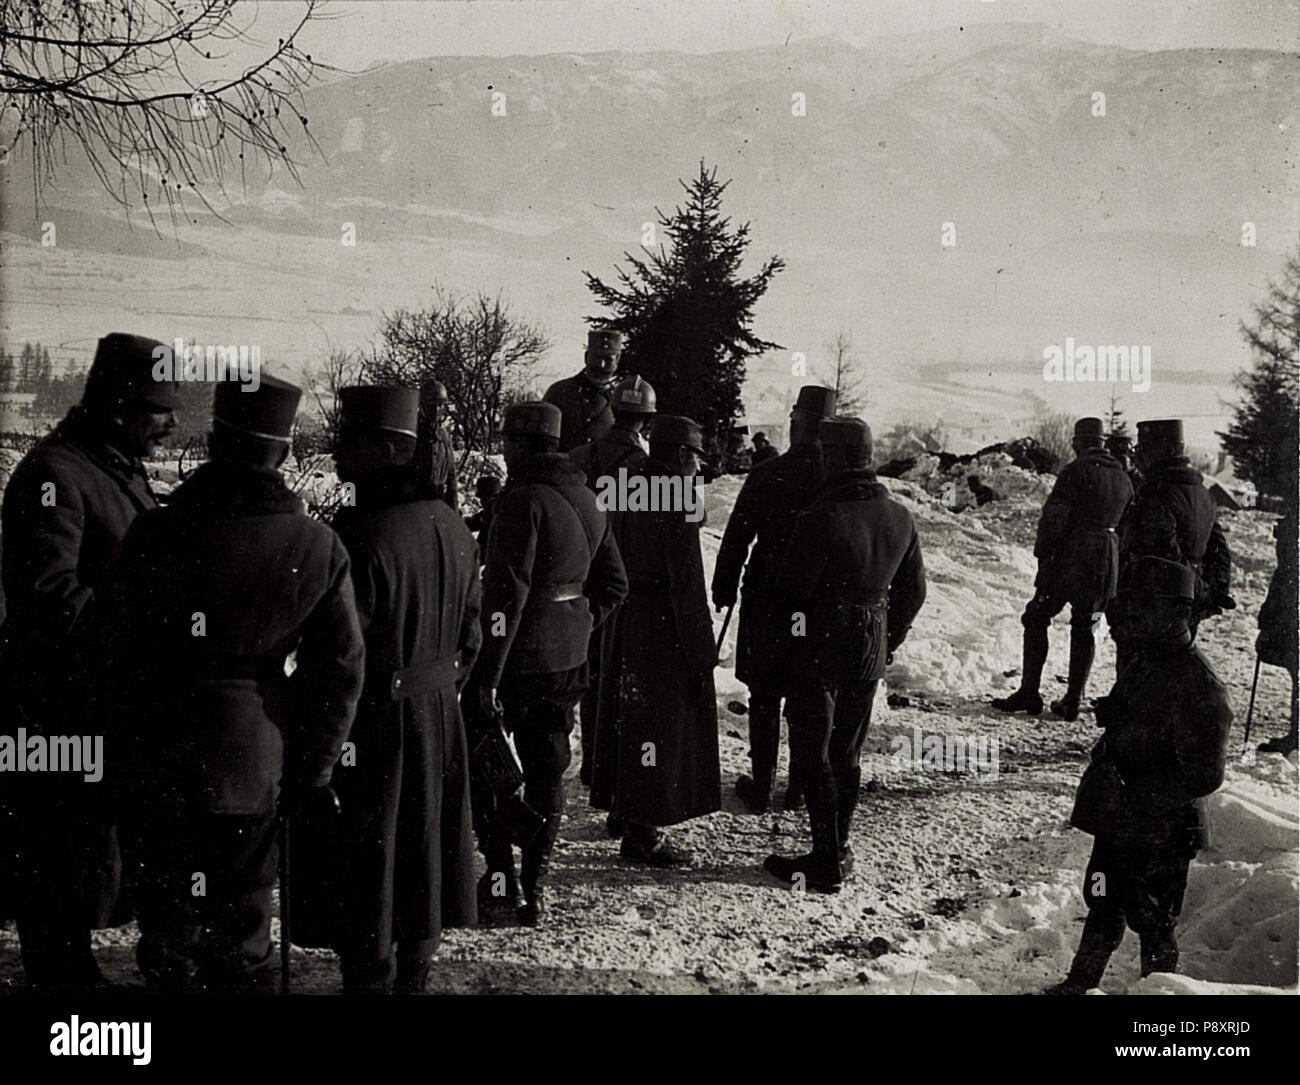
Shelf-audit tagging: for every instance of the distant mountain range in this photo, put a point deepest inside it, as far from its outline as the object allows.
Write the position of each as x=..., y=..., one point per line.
x=1122, y=228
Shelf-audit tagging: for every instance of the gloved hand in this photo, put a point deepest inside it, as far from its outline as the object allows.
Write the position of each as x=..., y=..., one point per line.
x=306, y=801
x=722, y=598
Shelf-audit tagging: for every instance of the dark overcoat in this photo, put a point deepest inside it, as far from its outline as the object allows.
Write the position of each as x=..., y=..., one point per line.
x=1278, y=644
x=656, y=756
x=213, y=594
x=850, y=586
x=1175, y=518
x=552, y=573
x=404, y=862
x=1165, y=748
x=1077, y=544
x=585, y=411
x=774, y=493
x=435, y=459
x=66, y=510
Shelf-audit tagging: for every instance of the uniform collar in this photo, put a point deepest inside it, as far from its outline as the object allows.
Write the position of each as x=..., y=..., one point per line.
x=77, y=428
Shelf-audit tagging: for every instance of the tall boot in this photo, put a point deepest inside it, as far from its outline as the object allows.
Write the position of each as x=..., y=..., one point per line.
x=1159, y=951
x=1102, y=933
x=533, y=869
x=764, y=740
x=499, y=895
x=1034, y=657
x=820, y=869
x=1082, y=649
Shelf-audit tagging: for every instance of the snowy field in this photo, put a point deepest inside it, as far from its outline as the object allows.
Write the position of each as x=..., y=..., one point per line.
x=964, y=883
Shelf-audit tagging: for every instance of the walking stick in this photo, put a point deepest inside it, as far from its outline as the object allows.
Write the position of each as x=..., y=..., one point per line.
x=284, y=904
x=717, y=651
x=1251, y=710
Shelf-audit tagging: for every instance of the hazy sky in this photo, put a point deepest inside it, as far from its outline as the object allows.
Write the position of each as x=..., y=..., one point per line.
x=362, y=32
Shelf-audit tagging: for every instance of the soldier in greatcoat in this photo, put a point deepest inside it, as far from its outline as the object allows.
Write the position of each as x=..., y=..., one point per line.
x=773, y=495
x=1142, y=796
x=584, y=399
x=552, y=574
x=1077, y=548
x=622, y=445
x=66, y=511
x=656, y=758
x=404, y=857
x=212, y=737
x=435, y=458
x=846, y=593
x=1173, y=517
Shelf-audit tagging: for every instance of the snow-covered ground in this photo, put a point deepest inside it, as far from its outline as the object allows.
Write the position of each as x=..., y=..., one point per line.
x=965, y=882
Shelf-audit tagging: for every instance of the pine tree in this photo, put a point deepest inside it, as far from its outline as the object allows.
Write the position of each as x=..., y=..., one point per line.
x=26, y=368
x=1262, y=439
x=687, y=313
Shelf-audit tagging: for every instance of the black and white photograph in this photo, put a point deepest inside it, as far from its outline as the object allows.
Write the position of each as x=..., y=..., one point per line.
x=648, y=497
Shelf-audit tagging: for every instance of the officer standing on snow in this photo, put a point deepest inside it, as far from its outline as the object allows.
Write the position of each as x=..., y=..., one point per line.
x=584, y=399
x=774, y=494
x=656, y=758
x=66, y=511
x=1175, y=518
x=552, y=574
x=1142, y=796
x=621, y=446
x=843, y=601
x=212, y=594
x=403, y=868
x=435, y=458
x=1078, y=563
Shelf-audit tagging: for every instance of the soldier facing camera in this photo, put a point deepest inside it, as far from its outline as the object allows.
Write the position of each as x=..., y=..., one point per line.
x=1142, y=797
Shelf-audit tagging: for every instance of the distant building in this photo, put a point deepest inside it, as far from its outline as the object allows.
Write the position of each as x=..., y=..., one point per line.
x=1228, y=491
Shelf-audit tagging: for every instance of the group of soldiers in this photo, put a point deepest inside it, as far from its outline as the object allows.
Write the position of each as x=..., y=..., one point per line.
x=254, y=670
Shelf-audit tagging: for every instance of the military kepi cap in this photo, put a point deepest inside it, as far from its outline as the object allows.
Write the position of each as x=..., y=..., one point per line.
x=674, y=429
x=534, y=418
x=1119, y=442
x=1160, y=431
x=1090, y=427
x=124, y=368
x=266, y=411
x=817, y=400
x=604, y=340
x=1160, y=578
x=376, y=406
x=845, y=432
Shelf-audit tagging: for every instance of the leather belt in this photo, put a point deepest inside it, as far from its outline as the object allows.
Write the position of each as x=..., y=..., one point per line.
x=424, y=677
x=562, y=593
